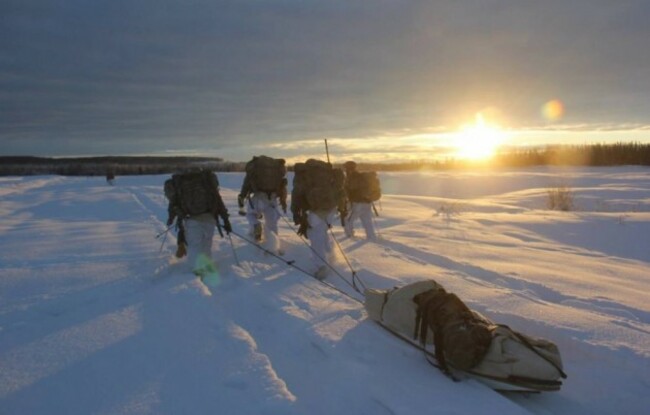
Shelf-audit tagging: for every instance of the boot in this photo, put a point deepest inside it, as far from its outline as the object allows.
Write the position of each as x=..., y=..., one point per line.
x=257, y=232
x=181, y=250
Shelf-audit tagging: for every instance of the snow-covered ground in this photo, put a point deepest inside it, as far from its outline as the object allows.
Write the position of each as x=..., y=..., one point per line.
x=96, y=319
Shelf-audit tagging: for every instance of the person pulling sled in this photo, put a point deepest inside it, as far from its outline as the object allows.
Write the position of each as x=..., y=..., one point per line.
x=316, y=196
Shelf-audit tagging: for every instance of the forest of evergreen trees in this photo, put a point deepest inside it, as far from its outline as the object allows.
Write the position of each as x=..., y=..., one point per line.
x=567, y=155
x=617, y=154
x=100, y=166
x=579, y=155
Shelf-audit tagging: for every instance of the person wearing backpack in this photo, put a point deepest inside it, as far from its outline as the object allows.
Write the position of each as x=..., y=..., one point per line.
x=361, y=190
x=194, y=200
x=110, y=177
x=316, y=196
x=264, y=190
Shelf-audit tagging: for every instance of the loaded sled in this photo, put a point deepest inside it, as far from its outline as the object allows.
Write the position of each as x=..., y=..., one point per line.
x=466, y=344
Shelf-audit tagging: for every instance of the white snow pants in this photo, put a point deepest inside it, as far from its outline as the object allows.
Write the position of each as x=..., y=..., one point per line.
x=319, y=237
x=199, y=231
x=261, y=205
x=361, y=211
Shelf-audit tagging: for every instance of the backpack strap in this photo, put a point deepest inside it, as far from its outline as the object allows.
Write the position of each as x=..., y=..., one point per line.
x=422, y=328
x=178, y=197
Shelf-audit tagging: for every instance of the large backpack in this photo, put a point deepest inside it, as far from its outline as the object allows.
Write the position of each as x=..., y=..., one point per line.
x=193, y=193
x=266, y=174
x=363, y=187
x=459, y=336
x=318, y=184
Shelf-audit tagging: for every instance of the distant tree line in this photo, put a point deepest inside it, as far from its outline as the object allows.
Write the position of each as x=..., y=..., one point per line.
x=100, y=166
x=617, y=154
x=571, y=155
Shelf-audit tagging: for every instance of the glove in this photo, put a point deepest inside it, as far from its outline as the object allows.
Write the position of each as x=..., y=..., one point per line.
x=283, y=203
x=240, y=203
x=302, y=229
x=296, y=219
x=342, y=215
x=170, y=220
x=226, y=225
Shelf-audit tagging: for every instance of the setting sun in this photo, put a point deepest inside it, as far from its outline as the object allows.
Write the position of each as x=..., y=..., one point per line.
x=477, y=141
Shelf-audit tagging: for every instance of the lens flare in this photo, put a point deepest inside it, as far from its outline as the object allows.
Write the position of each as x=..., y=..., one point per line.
x=553, y=110
x=210, y=275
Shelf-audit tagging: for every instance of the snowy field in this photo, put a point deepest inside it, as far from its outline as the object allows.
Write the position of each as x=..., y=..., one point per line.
x=96, y=319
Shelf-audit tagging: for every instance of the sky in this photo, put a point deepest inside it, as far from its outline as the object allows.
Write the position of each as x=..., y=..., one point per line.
x=381, y=80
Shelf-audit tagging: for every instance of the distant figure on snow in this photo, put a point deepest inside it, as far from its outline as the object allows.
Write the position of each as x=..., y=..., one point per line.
x=316, y=196
x=361, y=189
x=264, y=188
x=195, y=202
x=110, y=177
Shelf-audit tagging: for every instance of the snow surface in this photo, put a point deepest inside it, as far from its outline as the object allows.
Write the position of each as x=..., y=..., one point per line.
x=96, y=319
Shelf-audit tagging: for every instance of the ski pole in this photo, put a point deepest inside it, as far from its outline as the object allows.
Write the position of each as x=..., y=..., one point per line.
x=164, y=232
x=163, y=241
x=327, y=151
x=234, y=252
x=374, y=222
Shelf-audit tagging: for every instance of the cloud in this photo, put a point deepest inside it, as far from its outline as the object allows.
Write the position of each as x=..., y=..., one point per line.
x=150, y=76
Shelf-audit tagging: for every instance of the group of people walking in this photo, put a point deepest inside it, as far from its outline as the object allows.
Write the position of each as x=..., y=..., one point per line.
x=320, y=193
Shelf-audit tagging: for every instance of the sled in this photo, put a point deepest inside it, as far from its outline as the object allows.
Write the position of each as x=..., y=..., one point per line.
x=513, y=362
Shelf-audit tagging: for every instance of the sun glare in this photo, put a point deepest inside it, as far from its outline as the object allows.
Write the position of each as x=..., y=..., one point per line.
x=477, y=141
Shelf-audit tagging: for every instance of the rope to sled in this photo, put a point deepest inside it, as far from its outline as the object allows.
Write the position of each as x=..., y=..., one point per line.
x=330, y=266
x=354, y=273
x=292, y=263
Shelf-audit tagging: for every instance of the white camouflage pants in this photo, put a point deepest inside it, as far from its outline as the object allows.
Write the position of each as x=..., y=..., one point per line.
x=199, y=231
x=361, y=211
x=261, y=205
x=319, y=237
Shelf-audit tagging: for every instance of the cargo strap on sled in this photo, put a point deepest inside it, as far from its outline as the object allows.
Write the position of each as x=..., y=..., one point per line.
x=421, y=332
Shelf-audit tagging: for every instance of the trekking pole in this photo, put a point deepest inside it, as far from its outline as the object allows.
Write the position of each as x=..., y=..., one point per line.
x=164, y=232
x=234, y=252
x=219, y=227
x=374, y=208
x=163, y=241
x=374, y=222
x=327, y=151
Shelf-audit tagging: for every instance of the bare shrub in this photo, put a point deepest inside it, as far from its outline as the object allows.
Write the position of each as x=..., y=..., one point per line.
x=560, y=198
x=449, y=209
